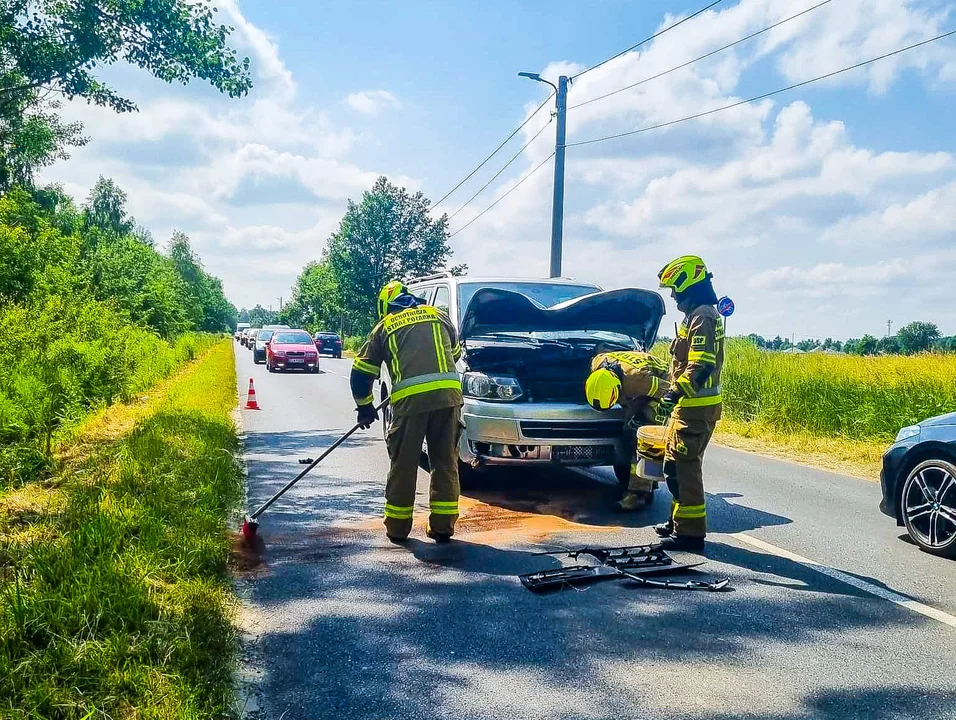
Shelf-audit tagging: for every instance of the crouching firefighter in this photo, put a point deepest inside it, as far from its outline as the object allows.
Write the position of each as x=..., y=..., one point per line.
x=694, y=399
x=636, y=380
x=420, y=346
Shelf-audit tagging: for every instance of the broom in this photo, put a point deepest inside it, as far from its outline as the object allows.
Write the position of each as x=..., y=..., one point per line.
x=250, y=526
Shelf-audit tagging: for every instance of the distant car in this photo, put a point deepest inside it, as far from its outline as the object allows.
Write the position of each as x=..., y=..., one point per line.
x=919, y=483
x=328, y=342
x=291, y=350
x=239, y=328
x=244, y=337
x=259, y=347
x=251, y=334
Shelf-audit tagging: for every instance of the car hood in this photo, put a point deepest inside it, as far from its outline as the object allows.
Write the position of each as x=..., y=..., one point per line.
x=629, y=311
x=947, y=419
x=294, y=347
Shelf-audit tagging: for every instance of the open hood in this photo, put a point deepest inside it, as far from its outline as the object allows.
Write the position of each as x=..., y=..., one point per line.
x=629, y=311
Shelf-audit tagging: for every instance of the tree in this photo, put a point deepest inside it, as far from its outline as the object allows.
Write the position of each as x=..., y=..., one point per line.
x=917, y=337
x=57, y=45
x=866, y=345
x=388, y=235
x=260, y=316
x=208, y=308
x=105, y=209
x=32, y=136
x=888, y=345
x=315, y=299
x=808, y=344
x=757, y=340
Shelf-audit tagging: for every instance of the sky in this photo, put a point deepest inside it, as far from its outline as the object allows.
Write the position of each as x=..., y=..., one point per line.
x=824, y=211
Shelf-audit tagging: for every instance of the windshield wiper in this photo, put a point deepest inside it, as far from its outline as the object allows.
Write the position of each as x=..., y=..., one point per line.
x=529, y=339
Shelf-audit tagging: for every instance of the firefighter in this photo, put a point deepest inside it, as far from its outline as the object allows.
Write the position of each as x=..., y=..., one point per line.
x=636, y=380
x=693, y=400
x=420, y=346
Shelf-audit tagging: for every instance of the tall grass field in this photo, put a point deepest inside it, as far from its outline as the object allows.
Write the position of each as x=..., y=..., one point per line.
x=846, y=407
x=114, y=593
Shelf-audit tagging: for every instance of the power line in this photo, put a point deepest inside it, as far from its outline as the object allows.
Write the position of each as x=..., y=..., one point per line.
x=763, y=96
x=646, y=40
x=493, y=152
x=498, y=174
x=702, y=57
x=510, y=190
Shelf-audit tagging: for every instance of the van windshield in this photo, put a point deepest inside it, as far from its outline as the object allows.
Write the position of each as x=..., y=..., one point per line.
x=544, y=293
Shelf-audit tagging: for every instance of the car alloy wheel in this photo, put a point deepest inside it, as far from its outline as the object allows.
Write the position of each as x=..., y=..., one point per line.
x=929, y=507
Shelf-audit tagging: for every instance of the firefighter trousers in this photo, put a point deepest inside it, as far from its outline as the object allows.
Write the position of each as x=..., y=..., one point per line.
x=404, y=441
x=686, y=439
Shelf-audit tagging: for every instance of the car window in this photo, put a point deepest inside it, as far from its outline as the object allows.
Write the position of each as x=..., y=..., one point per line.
x=265, y=334
x=441, y=298
x=425, y=293
x=292, y=338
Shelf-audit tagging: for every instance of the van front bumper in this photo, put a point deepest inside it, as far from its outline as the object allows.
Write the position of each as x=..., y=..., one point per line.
x=541, y=433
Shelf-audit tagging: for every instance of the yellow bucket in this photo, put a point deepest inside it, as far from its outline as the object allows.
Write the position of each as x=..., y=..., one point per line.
x=650, y=442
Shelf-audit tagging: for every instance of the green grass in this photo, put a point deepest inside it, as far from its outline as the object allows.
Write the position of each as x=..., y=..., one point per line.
x=114, y=592
x=840, y=411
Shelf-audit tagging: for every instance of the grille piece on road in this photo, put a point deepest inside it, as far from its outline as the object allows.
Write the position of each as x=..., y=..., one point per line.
x=585, y=429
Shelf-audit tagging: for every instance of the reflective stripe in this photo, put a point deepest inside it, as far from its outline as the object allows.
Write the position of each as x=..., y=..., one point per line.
x=704, y=401
x=412, y=316
x=368, y=400
x=655, y=385
x=367, y=368
x=682, y=330
x=456, y=352
x=690, y=511
x=399, y=512
x=684, y=384
x=700, y=356
x=444, y=508
x=393, y=350
x=439, y=349
x=426, y=383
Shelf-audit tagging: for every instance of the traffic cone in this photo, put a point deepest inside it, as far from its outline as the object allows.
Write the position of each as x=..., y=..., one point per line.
x=251, y=403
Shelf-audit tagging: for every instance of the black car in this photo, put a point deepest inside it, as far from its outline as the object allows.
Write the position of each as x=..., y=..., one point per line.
x=919, y=483
x=259, y=346
x=328, y=342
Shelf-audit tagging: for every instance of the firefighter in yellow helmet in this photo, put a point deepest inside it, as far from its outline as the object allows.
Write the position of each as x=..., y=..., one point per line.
x=419, y=345
x=636, y=380
x=694, y=399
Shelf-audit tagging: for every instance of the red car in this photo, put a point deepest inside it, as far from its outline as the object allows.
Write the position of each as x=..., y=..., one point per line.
x=291, y=349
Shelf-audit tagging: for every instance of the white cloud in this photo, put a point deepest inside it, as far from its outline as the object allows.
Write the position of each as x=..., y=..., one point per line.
x=372, y=102
x=795, y=219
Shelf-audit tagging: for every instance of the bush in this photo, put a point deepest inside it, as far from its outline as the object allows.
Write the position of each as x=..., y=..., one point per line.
x=354, y=342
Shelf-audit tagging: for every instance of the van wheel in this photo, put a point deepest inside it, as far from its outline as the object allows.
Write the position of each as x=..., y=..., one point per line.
x=622, y=472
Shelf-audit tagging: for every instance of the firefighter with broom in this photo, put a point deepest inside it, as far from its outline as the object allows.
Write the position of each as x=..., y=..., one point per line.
x=419, y=345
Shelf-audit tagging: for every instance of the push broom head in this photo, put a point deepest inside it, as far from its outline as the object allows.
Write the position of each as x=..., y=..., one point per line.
x=248, y=530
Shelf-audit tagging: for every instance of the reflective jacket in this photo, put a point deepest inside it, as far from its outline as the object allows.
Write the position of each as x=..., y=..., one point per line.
x=420, y=346
x=698, y=356
x=643, y=381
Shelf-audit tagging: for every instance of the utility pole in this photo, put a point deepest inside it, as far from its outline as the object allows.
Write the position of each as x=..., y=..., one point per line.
x=889, y=328
x=557, y=201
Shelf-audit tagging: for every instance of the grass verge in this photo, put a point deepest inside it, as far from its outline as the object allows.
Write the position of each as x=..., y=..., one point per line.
x=114, y=593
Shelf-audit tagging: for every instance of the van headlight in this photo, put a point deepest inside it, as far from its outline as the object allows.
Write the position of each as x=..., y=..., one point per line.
x=490, y=387
x=907, y=432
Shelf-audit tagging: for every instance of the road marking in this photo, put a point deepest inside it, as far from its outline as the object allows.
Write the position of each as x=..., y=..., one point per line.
x=843, y=577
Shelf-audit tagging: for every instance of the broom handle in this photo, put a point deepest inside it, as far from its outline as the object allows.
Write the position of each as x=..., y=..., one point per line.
x=265, y=506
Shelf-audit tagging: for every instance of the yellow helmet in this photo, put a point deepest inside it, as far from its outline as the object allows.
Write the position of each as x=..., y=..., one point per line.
x=388, y=293
x=602, y=388
x=682, y=273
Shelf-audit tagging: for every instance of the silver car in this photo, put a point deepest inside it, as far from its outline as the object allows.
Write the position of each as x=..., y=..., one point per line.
x=528, y=346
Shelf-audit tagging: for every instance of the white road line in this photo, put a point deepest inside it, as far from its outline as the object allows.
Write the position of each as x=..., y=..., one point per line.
x=843, y=577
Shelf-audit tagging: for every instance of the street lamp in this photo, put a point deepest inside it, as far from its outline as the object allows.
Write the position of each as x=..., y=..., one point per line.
x=557, y=202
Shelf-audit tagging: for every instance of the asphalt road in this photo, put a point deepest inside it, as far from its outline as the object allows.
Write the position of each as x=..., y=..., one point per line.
x=343, y=624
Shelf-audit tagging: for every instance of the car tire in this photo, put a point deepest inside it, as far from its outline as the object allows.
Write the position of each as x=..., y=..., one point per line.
x=269, y=367
x=928, y=507
x=623, y=474
x=337, y=356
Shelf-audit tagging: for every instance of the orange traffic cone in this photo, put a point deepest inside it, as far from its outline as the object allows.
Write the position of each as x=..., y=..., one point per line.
x=251, y=403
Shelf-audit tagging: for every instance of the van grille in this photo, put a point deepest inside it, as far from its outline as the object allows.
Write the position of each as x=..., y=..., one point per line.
x=558, y=430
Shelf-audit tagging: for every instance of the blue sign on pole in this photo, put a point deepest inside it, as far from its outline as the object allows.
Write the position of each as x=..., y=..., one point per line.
x=725, y=306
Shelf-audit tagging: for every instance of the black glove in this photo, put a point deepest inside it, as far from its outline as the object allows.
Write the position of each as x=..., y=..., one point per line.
x=367, y=414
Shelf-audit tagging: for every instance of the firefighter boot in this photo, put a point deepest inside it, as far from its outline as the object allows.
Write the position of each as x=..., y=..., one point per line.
x=689, y=543
x=635, y=501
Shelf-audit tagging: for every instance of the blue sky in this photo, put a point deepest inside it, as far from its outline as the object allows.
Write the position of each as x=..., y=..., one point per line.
x=823, y=212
